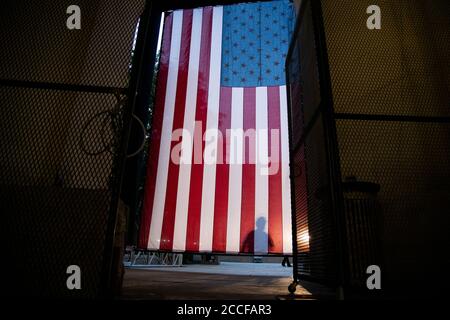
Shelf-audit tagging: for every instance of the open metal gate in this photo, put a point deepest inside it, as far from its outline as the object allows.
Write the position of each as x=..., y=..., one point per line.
x=315, y=176
x=370, y=158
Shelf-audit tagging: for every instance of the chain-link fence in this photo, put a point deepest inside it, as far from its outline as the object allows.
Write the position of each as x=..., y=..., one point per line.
x=63, y=96
x=391, y=100
x=390, y=95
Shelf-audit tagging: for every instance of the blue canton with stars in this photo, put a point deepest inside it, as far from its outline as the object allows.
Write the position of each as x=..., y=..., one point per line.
x=255, y=42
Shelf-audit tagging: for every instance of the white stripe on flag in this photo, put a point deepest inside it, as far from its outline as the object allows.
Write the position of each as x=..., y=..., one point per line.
x=209, y=168
x=184, y=177
x=235, y=172
x=166, y=134
x=261, y=177
x=285, y=180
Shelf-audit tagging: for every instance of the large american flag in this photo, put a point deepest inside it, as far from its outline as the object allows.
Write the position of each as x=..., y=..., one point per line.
x=222, y=69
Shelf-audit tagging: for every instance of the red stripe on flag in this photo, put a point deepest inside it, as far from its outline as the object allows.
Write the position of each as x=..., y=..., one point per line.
x=152, y=163
x=195, y=193
x=275, y=218
x=222, y=174
x=248, y=174
x=180, y=105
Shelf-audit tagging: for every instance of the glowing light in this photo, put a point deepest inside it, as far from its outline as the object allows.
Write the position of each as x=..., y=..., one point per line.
x=305, y=237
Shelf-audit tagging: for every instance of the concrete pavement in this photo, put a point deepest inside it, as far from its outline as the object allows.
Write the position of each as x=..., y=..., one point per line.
x=243, y=281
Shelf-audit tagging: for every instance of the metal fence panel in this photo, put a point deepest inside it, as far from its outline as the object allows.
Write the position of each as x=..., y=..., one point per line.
x=61, y=131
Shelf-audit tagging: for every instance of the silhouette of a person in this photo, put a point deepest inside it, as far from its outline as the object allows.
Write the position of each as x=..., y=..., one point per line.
x=260, y=236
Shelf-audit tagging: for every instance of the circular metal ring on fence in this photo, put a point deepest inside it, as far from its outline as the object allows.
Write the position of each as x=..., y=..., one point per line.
x=116, y=128
x=114, y=120
x=144, y=131
x=104, y=147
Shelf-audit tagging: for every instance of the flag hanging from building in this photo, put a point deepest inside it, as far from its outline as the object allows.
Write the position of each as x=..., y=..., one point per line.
x=218, y=167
